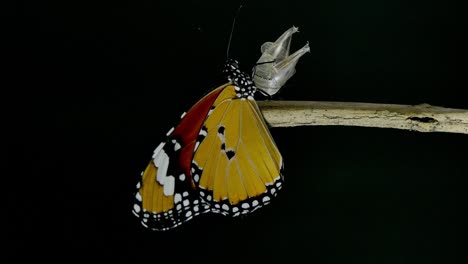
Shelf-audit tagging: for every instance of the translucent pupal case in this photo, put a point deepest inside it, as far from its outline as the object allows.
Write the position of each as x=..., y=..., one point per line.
x=276, y=66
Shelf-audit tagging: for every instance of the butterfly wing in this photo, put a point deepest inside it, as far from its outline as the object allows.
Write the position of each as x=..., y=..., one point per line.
x=236, y=165
x=220, y=158
x=165, y=194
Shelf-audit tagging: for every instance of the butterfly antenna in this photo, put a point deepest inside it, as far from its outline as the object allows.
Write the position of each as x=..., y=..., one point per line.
x=232, y=29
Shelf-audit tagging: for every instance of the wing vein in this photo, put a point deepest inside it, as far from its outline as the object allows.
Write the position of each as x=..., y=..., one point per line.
x=214, y=141
x=241, y=175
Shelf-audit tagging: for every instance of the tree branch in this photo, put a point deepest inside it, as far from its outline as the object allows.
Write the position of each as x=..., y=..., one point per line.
x=422, y=118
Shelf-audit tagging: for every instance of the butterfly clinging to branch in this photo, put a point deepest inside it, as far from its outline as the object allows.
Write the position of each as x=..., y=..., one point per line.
x=221, y=157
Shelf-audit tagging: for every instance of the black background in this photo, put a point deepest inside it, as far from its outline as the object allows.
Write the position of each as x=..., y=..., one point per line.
x=92, y=88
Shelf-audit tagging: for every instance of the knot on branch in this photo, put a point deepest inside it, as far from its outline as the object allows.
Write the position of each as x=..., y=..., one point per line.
x=424, y=119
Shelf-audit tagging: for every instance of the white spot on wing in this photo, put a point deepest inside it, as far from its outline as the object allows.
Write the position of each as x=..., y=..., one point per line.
x=177, y=146
x=203, y=132
x=158, y=157
x=136, y=208
x=138, y=196
x=245, y=205
x=255, y=203
x=225, y=207
x=182, y=177
x=196, y=177
x=186, y=202
x=169, y=186
x=156, y=151
x=169, y=132
x=161, y=161
x=183, y=114
x=177, y=198
x=162, y=164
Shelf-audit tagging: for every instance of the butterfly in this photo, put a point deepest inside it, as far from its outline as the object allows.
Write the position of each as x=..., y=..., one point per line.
x=220, y=158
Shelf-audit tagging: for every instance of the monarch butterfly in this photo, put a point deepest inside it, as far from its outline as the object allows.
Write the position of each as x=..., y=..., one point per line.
x=220, y=158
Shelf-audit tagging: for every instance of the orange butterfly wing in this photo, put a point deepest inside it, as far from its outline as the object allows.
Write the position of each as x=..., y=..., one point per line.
x=164, y=197
x=237, y=165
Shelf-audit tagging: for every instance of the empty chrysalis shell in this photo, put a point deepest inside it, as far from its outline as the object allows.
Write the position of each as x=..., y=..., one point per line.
x=276, y=66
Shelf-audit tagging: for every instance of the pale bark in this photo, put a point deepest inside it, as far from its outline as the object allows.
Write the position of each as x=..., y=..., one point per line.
x=422, y=118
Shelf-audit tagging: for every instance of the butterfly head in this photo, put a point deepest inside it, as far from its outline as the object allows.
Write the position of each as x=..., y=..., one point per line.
x=244, y=86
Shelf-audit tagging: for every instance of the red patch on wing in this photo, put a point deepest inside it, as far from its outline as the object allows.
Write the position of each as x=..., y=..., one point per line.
x=189, y=127
x=185, y=158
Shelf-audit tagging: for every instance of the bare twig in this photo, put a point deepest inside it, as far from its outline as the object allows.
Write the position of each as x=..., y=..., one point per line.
x=422, y=118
